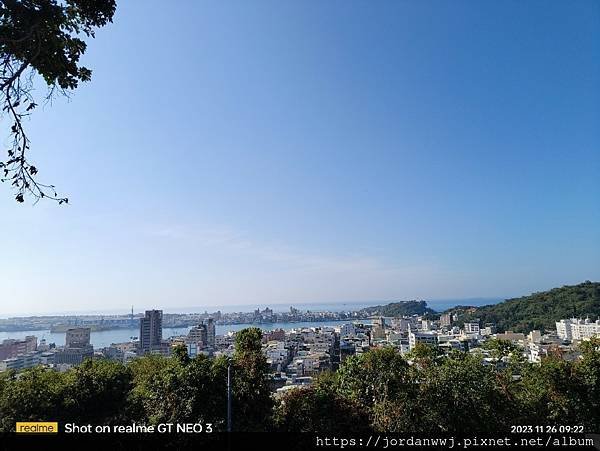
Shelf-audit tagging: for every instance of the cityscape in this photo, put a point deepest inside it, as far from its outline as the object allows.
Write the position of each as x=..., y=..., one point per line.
x=298, y=354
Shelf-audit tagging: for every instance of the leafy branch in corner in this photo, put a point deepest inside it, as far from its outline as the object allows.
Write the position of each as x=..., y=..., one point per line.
x=40, y=37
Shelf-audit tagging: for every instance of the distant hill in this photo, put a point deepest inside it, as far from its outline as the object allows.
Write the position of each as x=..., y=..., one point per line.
x=538, y=310
x=403, y=308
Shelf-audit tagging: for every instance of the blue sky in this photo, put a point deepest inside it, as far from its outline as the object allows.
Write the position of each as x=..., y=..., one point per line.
x=275, y=151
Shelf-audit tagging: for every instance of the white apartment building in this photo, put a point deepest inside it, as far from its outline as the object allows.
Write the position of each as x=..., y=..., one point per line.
x=577, y=329
x=421, y=337
x=472, y=327
x=27, y=360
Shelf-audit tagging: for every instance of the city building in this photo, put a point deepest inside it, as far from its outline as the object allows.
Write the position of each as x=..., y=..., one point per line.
x=509, y=335
x=535, y=336
x=210, y=332
x=77, y=347
x=27, y=360
x=77, y=337
x=198, y=335
x=428, y=338
x=471, y=327
x=12, y=347
x=151, y=331
x=273, y=335
x=113, y=353
x=577, y=329
x=202, y=336
x=347, y=330
x=73, y=356
x=446, y=320
x=378, y=332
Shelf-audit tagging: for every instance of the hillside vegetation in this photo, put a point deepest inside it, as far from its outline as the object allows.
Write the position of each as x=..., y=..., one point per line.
x=404, y=308
x=540, y=310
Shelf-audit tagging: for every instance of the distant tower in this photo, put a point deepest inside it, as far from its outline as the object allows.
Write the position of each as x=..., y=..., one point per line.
x=131, y=317
x=151, y=330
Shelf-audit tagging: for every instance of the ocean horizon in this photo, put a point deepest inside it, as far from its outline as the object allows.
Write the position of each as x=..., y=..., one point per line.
x=436, y=304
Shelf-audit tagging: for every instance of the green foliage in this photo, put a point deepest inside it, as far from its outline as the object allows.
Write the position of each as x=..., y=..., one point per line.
x=440, y=394
x=425, y=355
x=96, y=392
x=587, y=377
x=563, y=392
x=33, y=395
x=465, y=396
x=405, y=308
x=252, y=402
x=501, y=348
x=45, y=38
x=180, y=353
x=44, y=34
x=319, y=409
x=171, y=390
x=541, y=310
x=248, y=343
x=374, y=376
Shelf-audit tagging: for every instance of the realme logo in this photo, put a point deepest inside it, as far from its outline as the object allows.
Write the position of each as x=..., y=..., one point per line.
x=37, y=427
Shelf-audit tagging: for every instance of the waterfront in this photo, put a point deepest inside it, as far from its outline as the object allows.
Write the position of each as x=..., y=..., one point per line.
x=100, y=339
x=106, y=337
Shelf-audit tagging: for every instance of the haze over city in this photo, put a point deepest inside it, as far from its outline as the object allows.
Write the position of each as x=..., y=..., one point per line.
x=400, y=151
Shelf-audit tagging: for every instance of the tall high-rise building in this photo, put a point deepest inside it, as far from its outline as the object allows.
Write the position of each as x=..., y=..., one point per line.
x=151, y=331
x=210, y=332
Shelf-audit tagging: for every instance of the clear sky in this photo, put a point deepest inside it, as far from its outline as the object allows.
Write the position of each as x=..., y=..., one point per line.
x=235, y=152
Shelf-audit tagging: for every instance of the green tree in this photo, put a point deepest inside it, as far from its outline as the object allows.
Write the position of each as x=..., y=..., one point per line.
x=252, y=402
x=462, y=396
x=374, y=376
x=45, y=38
x=179, y=389
x=500, y=348
x=587, y=375
x=547, y=392
x=180, y=353
x=32, y=395
x=97, y=392
x=319, y=409
x=424, y=355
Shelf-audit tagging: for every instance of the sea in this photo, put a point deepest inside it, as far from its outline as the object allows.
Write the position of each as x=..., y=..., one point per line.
x=105, y=338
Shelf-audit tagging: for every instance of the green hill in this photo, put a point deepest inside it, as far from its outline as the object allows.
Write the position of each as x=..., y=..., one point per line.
x=404, y=308
x=539, y=310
